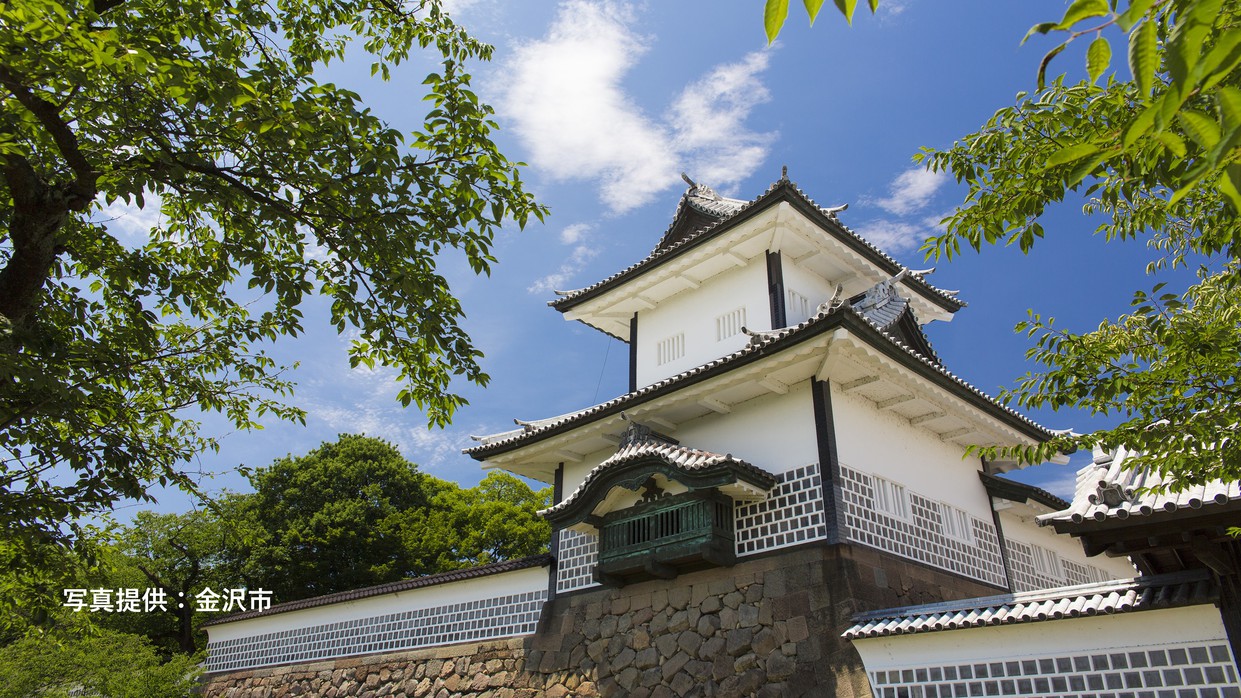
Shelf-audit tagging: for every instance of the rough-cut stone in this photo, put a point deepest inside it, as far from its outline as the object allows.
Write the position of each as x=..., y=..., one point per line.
x=738, y=641
x=711, y=604
x=708, y=624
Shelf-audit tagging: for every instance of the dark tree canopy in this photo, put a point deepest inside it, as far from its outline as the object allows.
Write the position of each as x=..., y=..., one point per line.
x=355, y=513
x=270, y=186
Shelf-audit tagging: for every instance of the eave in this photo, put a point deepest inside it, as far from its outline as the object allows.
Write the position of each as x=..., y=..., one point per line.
x=783, y=219
x=840, y=346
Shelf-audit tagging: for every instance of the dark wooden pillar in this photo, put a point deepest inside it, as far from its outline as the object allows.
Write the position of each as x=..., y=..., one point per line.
x=775, y=290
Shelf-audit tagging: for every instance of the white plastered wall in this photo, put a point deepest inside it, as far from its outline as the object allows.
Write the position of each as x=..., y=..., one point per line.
x=774, y=432
x=809, y=284
x=1090, y=635
x=883, y=443
x=492, y=586
x=694, y=312
x=1020, y=527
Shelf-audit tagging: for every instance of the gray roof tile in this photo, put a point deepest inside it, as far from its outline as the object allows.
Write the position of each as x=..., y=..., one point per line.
x=728, y=209
x=1122, y=596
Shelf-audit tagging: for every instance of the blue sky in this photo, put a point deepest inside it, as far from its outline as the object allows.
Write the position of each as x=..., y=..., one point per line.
x=609, y=102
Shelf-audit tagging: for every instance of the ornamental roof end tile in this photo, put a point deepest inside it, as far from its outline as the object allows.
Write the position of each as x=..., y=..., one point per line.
x=1114, y=486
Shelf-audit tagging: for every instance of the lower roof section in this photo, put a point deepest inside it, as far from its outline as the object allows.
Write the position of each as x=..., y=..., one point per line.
x=1121, y=596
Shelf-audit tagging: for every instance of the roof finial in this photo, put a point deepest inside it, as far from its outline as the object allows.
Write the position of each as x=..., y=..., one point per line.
x=784, y=172
x=688, y=181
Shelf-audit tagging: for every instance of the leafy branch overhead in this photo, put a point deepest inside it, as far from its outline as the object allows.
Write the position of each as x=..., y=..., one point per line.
x=1182, y=56
x=268, y=187
x=776, y=11
x=1156, y=158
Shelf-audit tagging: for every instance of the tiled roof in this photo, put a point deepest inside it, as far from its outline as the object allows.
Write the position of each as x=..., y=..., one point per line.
x=1122, y=596
x=1110, y=489
x=704, y=198
x=429, y=580
x=761, y=344
x=732, y=210
x=681, y=457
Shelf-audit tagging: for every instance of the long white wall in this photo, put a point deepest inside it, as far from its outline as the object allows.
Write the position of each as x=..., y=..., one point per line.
x=693, y=313
x=499, y=605
x=1179, y=647
x=1021, y=530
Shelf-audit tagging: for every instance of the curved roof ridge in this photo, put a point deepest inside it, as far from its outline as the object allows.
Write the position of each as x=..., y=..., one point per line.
x=660, y=252
x=680, y=457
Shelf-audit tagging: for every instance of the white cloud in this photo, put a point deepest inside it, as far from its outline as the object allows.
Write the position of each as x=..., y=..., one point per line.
x=556, y=280
x=909, y=195
x=709, y=120
x=575, y=232
x=911, y=191
x=127, y=221
x=893, y=236
x=374, y=412
x=568, y=105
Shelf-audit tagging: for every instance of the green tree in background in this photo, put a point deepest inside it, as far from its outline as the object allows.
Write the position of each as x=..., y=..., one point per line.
x=324, y=522
x=269, y=186
x=355, y=513
x=180, y=554
x=1157, y=158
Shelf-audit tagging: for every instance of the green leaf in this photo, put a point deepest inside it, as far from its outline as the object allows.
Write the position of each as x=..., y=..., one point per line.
x=846, y=8
x=1200, y=127
x=1140, y=125
x=1042, y=66
x=1041, y=28
x=1083, y=9
x=1072, y=153
x=1098, y=58
x=874, y=6
x=1136, y=10
x=1228, y=185
x=1142, y=57
x=1173, y=143
x=812, y=9
x=774, y=14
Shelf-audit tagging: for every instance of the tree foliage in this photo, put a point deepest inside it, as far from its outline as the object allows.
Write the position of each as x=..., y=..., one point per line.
x=355, y=513
x=180, y=554
x=104, y=663
x=270, y=186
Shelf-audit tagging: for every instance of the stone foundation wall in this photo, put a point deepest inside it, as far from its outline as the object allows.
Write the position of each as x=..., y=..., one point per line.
x=765, y=627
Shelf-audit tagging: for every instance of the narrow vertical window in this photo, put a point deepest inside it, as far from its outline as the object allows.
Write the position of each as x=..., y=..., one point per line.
x=958, y=525
x=729, y=324
x=670, y=349
x=891, y=498
x=798, y=309
x=1047, y=562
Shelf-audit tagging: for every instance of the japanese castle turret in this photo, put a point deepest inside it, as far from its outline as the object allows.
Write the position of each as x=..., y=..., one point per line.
x=791, y=452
